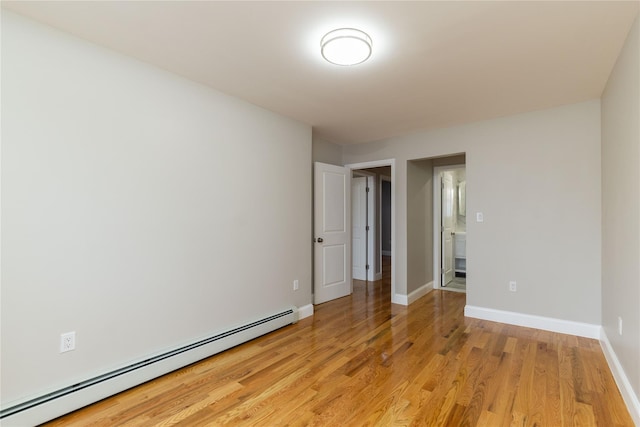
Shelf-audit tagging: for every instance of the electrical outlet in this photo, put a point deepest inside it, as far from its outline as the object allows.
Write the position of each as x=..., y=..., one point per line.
x=296, y=285
x=67, y=342
x=513, y=286
x=619, y=325
x=479, y=217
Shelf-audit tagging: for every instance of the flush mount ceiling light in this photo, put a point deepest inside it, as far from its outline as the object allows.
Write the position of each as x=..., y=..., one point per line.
x=346, y=46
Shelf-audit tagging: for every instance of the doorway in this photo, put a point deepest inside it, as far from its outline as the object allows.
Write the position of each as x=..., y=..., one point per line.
x=450, y=263
x=378, y=172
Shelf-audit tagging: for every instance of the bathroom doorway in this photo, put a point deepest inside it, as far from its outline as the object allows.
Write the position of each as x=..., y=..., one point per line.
x=450, y=227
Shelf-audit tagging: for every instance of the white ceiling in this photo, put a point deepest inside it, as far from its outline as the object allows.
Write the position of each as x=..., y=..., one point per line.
x=434, y=64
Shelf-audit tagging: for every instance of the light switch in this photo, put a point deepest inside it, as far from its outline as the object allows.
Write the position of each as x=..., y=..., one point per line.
x=479, y=217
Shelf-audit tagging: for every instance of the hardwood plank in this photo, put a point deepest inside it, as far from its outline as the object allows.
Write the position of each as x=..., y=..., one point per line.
x=550, y=364
x=364, y=361
x=567, y=393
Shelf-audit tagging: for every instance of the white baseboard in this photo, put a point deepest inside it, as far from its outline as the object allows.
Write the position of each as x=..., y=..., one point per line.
x=628, y=394
x=587, y=330
x=399, y=299
x=377, y=276
x=413, y=296
x=305, y=311
x=386, y=253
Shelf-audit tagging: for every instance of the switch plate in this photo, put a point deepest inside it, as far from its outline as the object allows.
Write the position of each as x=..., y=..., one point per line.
x=67, y=342
x=479, y=217
x=296, y=285
x=619, y=325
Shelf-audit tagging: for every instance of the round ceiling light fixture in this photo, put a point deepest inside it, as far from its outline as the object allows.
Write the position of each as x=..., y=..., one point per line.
x=346, y=46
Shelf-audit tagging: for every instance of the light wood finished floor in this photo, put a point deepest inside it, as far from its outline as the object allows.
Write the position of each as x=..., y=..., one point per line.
x=362, y=361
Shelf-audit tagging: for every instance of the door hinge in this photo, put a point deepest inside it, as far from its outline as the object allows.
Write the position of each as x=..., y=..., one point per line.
x=367, y=228
x=367, y=267
x=442, y=271
x=367, y=189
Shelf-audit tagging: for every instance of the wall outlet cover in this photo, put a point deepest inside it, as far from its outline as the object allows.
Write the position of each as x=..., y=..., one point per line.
x=67, y=342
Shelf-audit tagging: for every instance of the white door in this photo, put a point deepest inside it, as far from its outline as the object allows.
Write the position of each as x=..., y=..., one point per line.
x=332, y=222
x=359, y=227
x=447, y=229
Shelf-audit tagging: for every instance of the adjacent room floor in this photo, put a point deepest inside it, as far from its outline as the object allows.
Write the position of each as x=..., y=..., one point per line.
x=458, y=283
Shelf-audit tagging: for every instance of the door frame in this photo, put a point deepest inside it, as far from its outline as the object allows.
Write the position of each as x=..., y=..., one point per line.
x=437, y=221
x=396, y=299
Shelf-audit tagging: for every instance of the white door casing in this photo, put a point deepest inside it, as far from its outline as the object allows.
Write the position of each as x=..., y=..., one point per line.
x=447, y=228
x=332, y=224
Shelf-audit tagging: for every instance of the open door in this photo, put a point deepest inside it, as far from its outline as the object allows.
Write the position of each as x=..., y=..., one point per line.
x=364, y=227
x=447, y=229
x=332, y=223
x=359, y=225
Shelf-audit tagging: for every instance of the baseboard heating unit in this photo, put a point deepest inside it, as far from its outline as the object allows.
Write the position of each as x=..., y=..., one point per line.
x=59, y=402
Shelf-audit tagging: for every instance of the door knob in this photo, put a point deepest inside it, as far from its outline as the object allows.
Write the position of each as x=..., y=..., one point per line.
x=320, y=240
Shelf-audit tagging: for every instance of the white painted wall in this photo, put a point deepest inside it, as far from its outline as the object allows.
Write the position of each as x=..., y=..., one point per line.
x=419, y=223
x=139, y=209
x=621, y=209
x=536, y=178
x=326, y=152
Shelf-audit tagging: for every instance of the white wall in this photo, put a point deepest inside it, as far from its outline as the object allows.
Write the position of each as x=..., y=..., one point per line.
x=326, y=152
x=139, y=209
x=536, y=178
x=621, y=209
x=419, y=223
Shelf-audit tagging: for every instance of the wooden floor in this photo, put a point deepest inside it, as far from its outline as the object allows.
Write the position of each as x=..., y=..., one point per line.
x=363, y=361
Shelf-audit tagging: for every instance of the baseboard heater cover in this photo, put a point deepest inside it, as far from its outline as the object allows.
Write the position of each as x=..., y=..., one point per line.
x=52, y=405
